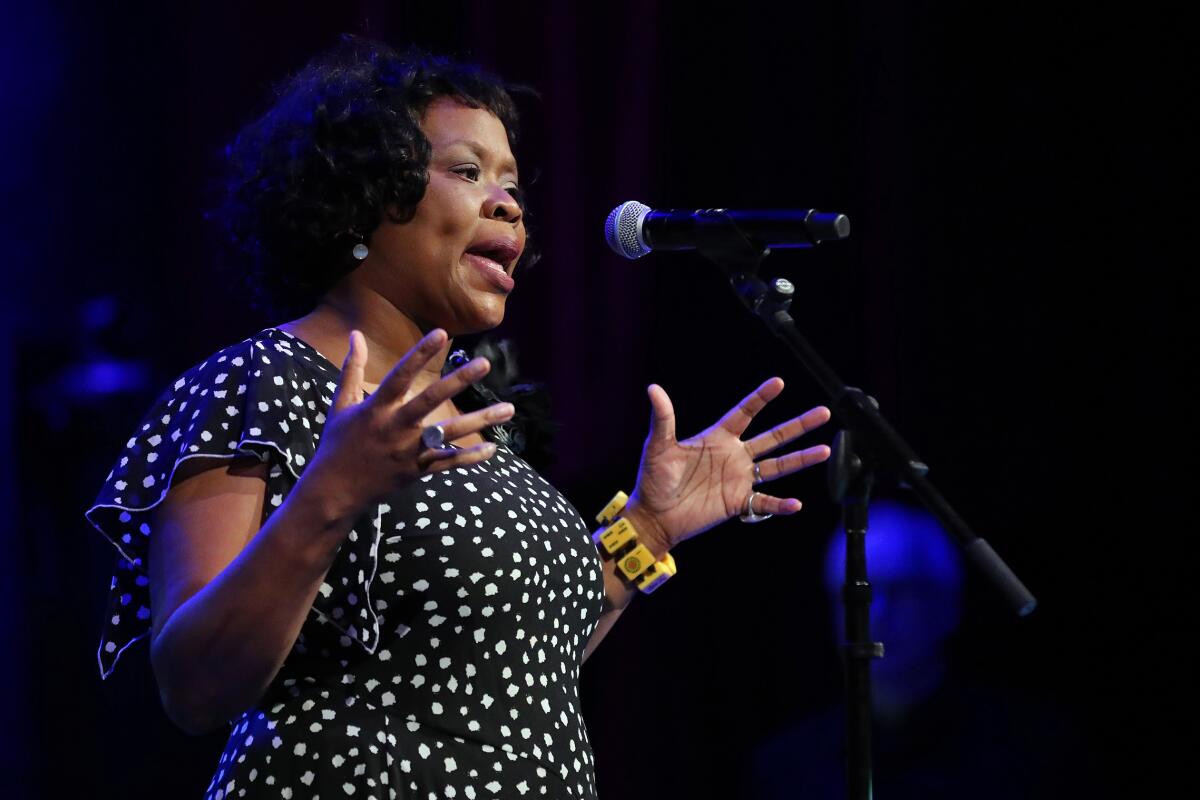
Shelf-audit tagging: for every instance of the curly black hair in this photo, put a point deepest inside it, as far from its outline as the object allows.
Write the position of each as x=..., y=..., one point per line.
x=340, y=146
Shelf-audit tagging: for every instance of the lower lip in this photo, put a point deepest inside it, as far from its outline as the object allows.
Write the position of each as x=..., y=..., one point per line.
x=492, y=271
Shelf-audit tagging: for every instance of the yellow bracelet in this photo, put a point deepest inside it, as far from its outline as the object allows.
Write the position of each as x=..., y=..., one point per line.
x=619, y=540
x=614, y=507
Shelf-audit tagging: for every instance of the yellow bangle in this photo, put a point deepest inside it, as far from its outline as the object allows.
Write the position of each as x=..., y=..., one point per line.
x=619, y=540
x=657, y=574
x=614, y=507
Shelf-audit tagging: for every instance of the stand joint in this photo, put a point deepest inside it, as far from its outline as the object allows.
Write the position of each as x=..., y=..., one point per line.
x=865, y=650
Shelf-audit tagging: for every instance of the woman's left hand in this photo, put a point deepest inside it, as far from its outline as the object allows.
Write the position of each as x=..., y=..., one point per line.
x=685, y=488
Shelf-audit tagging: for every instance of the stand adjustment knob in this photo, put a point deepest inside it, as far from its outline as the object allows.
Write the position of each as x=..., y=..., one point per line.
x=779, y=296
x=868, y=650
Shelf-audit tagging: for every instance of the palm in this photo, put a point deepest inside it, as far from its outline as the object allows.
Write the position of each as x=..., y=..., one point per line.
x=691, y=485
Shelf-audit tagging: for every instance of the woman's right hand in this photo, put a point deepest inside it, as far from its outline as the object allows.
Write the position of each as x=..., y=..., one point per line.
x=371, y=447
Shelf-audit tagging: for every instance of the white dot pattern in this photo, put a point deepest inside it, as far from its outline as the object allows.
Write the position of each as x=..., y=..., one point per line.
x=441, y=656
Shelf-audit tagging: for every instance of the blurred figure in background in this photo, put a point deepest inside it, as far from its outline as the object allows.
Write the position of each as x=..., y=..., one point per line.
x=936, y=734
x=916, y=576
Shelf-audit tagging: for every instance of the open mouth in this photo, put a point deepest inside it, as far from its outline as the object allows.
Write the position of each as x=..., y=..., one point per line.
x=489, y=259
x=499, y=254
x=494, y=259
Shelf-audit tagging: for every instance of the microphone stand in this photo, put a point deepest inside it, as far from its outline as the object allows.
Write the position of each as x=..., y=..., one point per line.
x=865, y=445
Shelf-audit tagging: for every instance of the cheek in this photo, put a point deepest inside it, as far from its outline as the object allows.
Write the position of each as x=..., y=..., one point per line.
x=436, y=235
x=450, y=205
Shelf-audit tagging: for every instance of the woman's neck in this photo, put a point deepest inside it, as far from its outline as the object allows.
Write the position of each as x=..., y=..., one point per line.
x=388, y=331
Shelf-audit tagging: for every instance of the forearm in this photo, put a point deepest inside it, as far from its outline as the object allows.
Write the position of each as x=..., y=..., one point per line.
x=617, y=592
x=217, y=653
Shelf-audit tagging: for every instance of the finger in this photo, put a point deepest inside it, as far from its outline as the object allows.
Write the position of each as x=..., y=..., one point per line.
x=432, y=396
x=350, y=388
x=464, y=457
x=662, y=414
x=396, y=383
x=787, y=432
x=740, y=416
x=430, y=455
x=773, y=468
x=770, y=504
x=466, y=424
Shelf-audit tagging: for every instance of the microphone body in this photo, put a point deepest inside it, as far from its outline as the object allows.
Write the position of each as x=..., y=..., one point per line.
x=633, y=229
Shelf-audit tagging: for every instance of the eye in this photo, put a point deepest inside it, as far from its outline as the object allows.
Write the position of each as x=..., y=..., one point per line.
x=468, y=171
x=518, y=194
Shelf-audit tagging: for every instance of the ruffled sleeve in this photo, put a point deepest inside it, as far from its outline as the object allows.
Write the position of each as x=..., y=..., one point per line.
x=247, y=400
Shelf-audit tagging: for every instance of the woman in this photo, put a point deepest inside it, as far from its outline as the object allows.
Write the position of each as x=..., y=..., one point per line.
x=381, y=598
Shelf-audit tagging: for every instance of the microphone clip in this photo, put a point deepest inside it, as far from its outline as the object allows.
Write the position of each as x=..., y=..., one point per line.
x=740, y=258
x=732, y=251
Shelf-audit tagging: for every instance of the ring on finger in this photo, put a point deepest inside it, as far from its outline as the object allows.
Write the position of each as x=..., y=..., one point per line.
x=758, y=478
x=433, y=437
x=749, y=515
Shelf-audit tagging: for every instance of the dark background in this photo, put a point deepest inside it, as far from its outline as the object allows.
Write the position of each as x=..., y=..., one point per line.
x=1012, y=294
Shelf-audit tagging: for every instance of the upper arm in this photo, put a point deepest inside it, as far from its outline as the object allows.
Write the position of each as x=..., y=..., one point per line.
x=213, y=509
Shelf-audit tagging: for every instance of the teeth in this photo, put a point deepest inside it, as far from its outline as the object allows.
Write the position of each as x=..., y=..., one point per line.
x=491, y=262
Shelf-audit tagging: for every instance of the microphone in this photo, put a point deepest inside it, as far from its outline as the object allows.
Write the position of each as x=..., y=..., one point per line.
x=633, y=229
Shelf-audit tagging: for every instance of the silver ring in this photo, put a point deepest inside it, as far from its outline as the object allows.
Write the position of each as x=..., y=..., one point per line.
x=757, y=475
x=434, y=437
x=749, y=515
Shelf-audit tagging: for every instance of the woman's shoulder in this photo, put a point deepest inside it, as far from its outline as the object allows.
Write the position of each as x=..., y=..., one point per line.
x=270, y=377
x=265, y=396
x=272, y=355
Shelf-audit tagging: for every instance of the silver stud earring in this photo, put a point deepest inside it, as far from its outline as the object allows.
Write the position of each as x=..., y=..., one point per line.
x=359, y=251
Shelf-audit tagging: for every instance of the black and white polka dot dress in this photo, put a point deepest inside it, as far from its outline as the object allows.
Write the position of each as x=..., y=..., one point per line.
x=441, y=656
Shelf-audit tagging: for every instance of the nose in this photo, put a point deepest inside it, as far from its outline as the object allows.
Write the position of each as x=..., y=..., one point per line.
x=502, y=205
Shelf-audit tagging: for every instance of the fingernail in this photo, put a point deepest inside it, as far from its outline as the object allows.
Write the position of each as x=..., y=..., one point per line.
x=504, y=409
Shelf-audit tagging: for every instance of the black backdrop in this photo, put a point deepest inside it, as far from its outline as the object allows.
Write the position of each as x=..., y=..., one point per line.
x=1010, y=295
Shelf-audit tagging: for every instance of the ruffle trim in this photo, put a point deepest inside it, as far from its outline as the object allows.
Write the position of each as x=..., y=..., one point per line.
x=273, y=388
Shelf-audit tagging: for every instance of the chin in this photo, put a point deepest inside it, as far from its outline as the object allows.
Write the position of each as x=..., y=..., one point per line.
x=482, y=320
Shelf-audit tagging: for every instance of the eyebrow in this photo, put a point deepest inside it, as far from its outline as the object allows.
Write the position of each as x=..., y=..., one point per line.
x=509, y=165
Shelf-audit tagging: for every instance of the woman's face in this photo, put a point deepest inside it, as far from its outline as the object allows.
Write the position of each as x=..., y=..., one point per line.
x=451, y=265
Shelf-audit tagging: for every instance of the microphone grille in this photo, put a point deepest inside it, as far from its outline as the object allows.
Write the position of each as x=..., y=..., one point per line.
x=623, y=229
